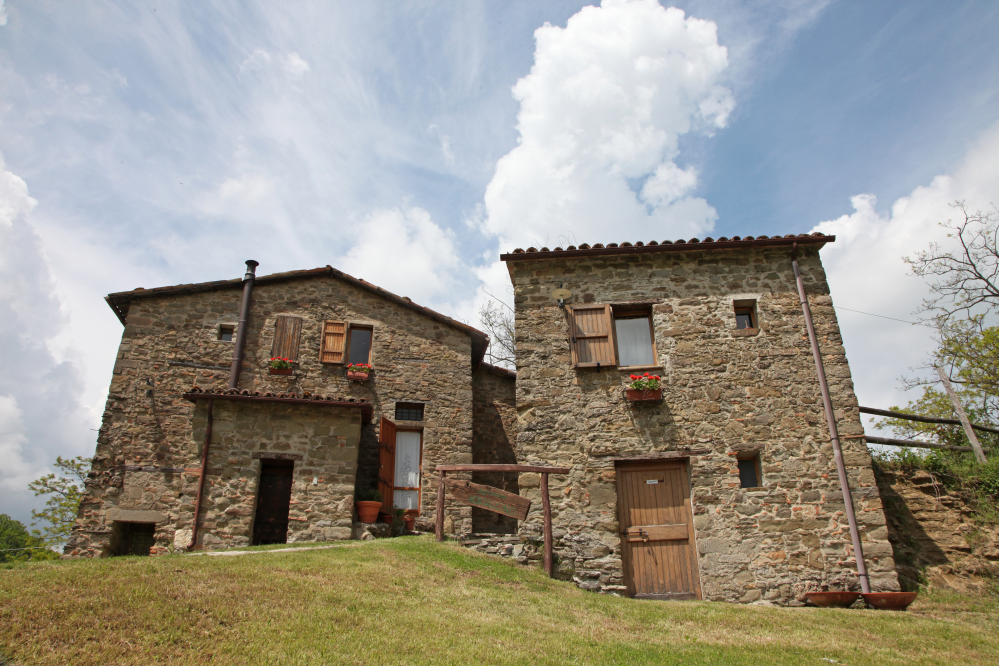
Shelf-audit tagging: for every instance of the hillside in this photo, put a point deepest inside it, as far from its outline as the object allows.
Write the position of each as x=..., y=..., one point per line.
x=412, y=601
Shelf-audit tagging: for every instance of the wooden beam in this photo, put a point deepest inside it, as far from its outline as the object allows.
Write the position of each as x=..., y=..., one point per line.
x=915, y=444
x=546, y=503
x=439, y=528
x=922, y=419
x=968, y=430
x=490, y=498
x=503, y=468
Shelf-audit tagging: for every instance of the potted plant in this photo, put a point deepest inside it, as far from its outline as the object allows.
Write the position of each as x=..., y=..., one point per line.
x=645, y=388
x=358, y=372
x=410, y=522
x=280, y=366
x=368, y=502
x=398, y=521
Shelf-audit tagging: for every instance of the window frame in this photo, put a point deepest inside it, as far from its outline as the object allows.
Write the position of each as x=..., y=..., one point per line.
x=347, y=360
x=754, y=456
x=634, y=311
x=410, y=406
x=746, y=306
x=223, y=329
x=419, y=489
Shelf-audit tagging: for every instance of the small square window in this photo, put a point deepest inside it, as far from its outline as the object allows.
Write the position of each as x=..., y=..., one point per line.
x=749, y=471
x=408, y=411
x=226, y=331
x=744, y=318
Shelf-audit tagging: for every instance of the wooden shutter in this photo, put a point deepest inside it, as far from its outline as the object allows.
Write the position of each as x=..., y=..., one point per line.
x=590, y=336
x=334, y=337
x=287, y=333
x=386, y=462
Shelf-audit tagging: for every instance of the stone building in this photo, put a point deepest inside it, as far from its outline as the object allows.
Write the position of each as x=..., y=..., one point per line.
x=731, y=474
x=286, y=452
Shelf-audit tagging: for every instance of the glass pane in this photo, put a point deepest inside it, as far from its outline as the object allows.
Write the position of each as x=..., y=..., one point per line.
x=747, y=473
x=407, y=459
x=405, y=499
x=360, y=345
x=634, y=341
x=743, y=319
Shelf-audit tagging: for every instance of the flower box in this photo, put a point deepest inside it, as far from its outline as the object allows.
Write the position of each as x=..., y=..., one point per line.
x=644, y=395
x=280, y=371
x=357, y=376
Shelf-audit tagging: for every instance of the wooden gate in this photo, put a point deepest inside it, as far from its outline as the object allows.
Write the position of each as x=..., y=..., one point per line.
x=273, y=502
x=657, y=530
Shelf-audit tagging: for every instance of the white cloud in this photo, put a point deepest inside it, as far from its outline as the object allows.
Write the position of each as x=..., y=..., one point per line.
x=600, y=116
x=17, y=472
x=866, y=271
x=3, y=14
x=404, y=251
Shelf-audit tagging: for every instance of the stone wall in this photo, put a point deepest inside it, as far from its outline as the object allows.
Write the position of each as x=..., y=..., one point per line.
x=170, y=343
x=935, y=537
x=725, y=392
x=494, y=423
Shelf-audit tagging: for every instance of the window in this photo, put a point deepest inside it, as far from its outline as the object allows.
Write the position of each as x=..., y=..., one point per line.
x=359, y=344
x=633, y=330
x=408, y=411
x=745, y=315
x=749, y=471
x=225, y=332
x=605, y=335
x=287, y=333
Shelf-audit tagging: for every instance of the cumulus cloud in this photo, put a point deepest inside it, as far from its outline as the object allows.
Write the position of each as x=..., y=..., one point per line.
x=406, y=252
x=866, y=271
x=39, y=394
x=601, y=114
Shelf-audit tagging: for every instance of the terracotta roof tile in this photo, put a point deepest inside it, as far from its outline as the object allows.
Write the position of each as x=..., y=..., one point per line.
x=305, y=398
x=722, y=243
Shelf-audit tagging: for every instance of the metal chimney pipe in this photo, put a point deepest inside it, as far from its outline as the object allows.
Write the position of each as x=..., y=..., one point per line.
x=244, y=315
x=844, y=482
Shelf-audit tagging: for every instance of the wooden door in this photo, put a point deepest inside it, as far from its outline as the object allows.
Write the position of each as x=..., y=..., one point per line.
x=273, y=500
x=657, y=531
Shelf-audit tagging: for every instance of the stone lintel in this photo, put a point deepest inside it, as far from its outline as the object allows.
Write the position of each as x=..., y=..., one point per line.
x=131, y=516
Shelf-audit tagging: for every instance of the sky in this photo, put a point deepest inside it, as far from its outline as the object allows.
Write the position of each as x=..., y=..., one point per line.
x=149, y=143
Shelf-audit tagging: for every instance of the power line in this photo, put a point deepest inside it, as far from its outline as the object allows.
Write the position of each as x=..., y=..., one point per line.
x=914, y=323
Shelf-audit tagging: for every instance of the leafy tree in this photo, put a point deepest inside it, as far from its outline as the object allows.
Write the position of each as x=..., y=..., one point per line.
x=65, y=489
x=17, y=545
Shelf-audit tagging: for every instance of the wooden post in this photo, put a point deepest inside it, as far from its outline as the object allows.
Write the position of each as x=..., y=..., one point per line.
x=439, y=529
x=968, y=430
x=546, y=503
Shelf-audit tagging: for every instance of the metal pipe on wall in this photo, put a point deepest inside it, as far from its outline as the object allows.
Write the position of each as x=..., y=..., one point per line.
x=201, y=479
x=858, y=549
x=244, y=315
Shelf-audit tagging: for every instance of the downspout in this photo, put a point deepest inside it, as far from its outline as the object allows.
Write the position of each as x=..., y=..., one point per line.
x=244, y=315
x=201, y=479
x=844, y=482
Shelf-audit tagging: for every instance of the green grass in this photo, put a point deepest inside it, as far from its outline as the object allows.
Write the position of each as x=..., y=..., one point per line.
x=412, y=601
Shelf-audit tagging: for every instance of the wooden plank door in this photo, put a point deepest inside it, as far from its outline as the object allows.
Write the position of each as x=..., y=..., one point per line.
x=657, y=531
x=273, y=502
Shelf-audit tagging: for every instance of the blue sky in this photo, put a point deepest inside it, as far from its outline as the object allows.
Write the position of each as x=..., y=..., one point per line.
x=408, y=143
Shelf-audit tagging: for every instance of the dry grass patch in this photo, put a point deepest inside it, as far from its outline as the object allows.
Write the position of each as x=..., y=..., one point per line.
x=412, y=601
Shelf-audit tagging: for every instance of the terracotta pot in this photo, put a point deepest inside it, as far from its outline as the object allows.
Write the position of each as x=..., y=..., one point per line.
x=832, y=599
x=890, y=600
x=367, y=512
x=410, y=523
x=385, y=518
x=645, y=395
x=357, y=376
x=280, y=371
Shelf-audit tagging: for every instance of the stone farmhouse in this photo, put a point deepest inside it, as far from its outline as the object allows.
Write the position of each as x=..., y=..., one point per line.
x=724, y=489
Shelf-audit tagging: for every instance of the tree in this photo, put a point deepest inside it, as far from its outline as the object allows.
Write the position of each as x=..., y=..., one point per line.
x=966, y=279
x=497, y=320
x=17, y=545
x=61, y=508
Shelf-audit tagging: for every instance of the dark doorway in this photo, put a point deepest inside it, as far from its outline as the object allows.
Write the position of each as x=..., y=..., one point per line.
x=132, y=538
x=273, y=499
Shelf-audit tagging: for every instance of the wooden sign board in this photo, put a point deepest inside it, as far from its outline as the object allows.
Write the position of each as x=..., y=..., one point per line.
x=492, y=499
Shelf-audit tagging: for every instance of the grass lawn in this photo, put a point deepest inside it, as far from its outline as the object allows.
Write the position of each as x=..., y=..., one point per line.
x=412, y=601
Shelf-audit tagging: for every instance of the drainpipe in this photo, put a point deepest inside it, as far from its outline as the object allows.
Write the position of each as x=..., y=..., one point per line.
x=858, y=550
x=201, y=479
x=244, y=315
